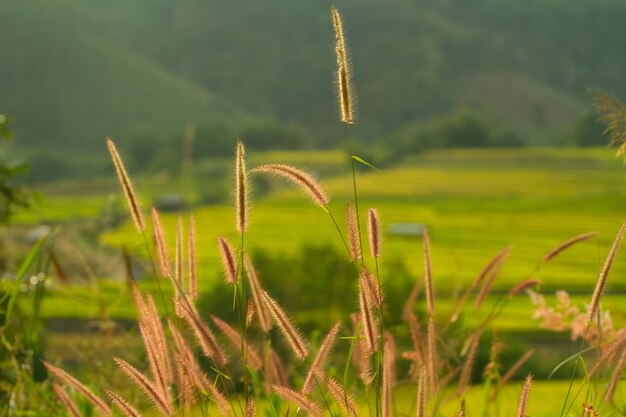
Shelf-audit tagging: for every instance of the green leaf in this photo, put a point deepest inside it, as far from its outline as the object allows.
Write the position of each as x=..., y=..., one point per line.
x=367, y=164
x=32, y=255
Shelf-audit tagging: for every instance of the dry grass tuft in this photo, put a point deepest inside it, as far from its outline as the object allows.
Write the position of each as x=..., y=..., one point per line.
x=322, y=355
x=299, y=178
x=68, y=403
x=290, y=333
x=69, y=380
x=604, y=273
x=163, y=257
x=295, y=397
x=523, y=398
x=127, y=187
x=568, y=243
x=352, y=229
x=229, y=261
x=241, y=188
x=344, y=76
x=373, y=227
x=152, y=392
x=122, y=405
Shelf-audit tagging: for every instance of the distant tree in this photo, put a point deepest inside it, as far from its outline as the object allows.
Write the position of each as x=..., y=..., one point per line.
x=464, y=130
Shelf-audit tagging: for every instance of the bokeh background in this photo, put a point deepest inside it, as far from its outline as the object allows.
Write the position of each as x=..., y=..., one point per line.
x=478, y=113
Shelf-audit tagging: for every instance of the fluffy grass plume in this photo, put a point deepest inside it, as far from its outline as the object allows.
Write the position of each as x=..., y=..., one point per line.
x=616, y=376
x=373, y=228
x=420, y=401
x=468, y=366
x=186, y=359
x=604, y=273
x=368, y=318
x=417, y=338
x=388, y=373
x=303, y=402
x=204, y=335
x=158, y=335
x=139, y=379
x=431, y=337
x=322, y=355
x=229, y=261
x=299, y=178
x=568, y=243
x=69, y=380
x=122, y=405
x=493, y=273
x=344, y=76
x=428, y=278
x=69, y=404
x=352, y=229
x=291, y=334
x=523, y=398
x=155, y=369
x=362, y=356
x=192, y=263
x=255, y=289
x=234, y=338
x=241, y=188
x=250, y=408
x=163, y=257
x=274, y=370
x=127, y=187
x=522, y=286
x=184, y=384
x=343, y=398
x=179, y=252
x=613, y=113
x=374, y=294
x=609, y=353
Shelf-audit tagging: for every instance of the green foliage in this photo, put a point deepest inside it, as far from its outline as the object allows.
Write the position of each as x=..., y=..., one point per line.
x=460, y=130
x=21, y=349
x=12, y=196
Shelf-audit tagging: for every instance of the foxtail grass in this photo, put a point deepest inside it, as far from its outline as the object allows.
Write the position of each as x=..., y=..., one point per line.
x=122, y=405
x=69, y=380
x=523, y=398
x=69, y=404
x=241, y=188
x=567, y=244
x=152, y=392
x=373, y=227
x=299, y=178
x=192, y=260
x=127, y=187
x=604, y=273
x=291, y=334
x=229, y=262
x=317, y=367
x=344, y=76
x=300, y=400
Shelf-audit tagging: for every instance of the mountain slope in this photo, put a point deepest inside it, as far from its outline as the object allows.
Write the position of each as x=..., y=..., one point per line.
x=68, y=87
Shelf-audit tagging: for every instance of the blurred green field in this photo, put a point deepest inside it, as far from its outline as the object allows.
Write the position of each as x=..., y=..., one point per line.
x=474, y=202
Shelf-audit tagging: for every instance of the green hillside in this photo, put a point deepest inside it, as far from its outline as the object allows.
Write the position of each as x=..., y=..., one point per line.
x=67, y=87
x=74, y=70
